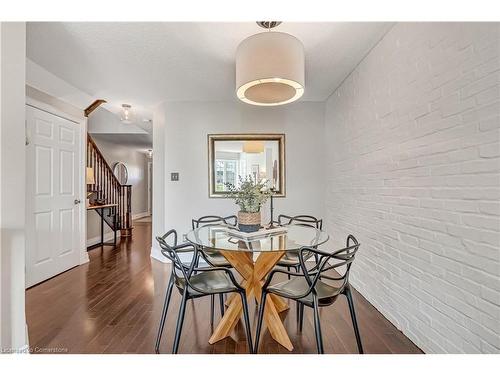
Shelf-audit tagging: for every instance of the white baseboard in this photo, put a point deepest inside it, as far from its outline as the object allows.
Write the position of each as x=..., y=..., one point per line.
x=107, y=237
x=84, y=256
x=139, y=215
x=156, y=254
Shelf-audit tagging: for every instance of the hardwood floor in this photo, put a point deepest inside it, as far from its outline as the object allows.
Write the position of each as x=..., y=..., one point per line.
x=112, y=305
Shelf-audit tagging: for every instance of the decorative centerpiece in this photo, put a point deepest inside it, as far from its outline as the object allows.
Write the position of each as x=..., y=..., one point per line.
x=250, y=196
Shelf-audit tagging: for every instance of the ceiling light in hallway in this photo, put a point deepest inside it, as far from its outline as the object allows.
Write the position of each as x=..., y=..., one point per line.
x=270, y=68
x=126, y=115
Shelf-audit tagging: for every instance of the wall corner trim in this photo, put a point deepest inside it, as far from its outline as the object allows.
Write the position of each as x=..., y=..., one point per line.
x=157, y=255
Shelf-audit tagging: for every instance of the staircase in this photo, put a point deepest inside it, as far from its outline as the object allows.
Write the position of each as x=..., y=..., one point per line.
x=108, y=190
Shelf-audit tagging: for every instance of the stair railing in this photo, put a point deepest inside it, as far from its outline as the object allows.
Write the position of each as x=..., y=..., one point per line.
x=108, y=189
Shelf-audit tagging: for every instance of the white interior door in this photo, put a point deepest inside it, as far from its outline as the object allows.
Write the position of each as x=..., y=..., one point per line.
x=52, y=195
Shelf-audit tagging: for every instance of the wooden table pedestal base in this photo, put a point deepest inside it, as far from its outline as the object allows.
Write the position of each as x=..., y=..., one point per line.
x=253, y=275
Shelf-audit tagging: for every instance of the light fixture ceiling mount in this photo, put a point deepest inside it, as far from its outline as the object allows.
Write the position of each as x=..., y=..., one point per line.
x=270, y=68
x=126, y=114
x=268, y=24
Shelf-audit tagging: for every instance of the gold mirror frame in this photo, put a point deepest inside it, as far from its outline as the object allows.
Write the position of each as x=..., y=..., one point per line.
x=212, y=138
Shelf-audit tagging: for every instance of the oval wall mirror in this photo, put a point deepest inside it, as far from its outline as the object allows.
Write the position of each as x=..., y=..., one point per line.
x=121, y=173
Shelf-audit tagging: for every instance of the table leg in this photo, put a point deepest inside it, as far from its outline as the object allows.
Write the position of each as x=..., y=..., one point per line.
x=114, y=229
x=243, y=263
x=231, y=298
x=253, y=275
x=231, y=317
x=102, y=227
x=274, y=304
x=279, y=302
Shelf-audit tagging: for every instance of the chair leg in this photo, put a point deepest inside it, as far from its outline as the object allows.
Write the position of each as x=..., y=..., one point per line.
x=212, y=308
x=297, y=303
x=259, y=321
x=221, y=302
x=288, y=269
x=301, y=316
x=196, y=263
x=247, y=321
x=164, y=313
x=348, y=294
x=180, y=321
x=317, y=325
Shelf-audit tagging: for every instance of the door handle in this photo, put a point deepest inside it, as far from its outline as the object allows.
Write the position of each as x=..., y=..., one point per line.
x=77, y=201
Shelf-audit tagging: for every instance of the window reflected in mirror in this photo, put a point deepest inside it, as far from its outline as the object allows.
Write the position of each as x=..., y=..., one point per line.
x=235, y=157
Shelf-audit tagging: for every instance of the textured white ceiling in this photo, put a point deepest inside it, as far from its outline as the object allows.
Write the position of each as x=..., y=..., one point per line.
x=145, y=64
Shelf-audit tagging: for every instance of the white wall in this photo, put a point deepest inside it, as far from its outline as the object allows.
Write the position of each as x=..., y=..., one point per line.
x=12, y=186
x=159, y=176
x=413, y=171
x=136, y=163
x=43, y=80
x=180, y=144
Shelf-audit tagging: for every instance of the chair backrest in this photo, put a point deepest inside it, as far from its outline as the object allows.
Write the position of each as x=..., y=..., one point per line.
x=179, y=269
x=306, y=220
x=213, y=220
x=329, y=261
x=169, y=251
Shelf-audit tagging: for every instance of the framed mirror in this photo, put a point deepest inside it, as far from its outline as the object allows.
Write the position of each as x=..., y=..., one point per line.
x=231, y=156
x=121, y=172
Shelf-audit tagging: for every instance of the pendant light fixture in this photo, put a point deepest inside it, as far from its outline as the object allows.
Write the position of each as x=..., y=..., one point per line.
x=126, y=115
x=270, y=68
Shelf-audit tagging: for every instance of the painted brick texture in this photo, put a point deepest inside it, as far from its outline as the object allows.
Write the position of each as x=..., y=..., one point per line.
x=413, y=170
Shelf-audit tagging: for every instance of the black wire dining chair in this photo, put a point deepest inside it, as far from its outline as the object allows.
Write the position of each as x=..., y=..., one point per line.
x=301, y=220
x=207, y=281
x=309, y=290
x=214, y=257
x=291, y=258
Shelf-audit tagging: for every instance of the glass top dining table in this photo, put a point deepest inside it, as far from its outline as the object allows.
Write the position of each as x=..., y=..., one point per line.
x=219, y=237
x=253, y=260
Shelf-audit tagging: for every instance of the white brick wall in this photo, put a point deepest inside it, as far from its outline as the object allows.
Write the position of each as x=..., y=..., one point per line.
x=413, y=171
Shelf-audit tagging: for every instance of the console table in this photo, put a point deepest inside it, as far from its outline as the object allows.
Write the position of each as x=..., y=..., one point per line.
x=100, y=210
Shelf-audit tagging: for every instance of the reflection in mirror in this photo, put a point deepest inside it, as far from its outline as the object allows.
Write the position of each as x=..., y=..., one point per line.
x=238, y=156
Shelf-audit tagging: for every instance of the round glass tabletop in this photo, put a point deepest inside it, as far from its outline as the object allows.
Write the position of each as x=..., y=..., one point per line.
x=219, y=237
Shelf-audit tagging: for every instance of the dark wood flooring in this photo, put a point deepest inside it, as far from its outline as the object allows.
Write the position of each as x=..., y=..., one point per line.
x=112, y=305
